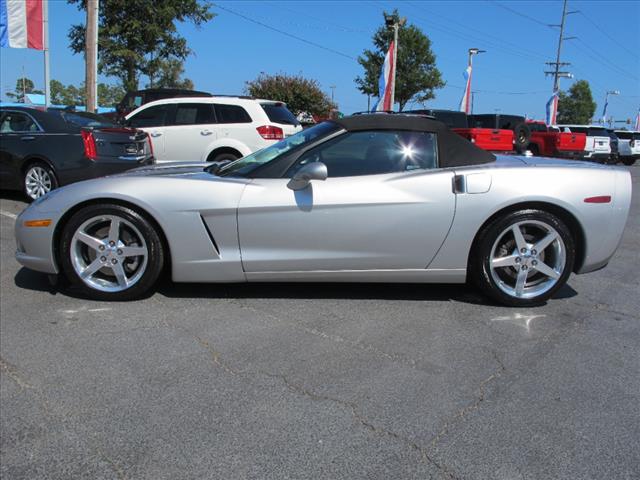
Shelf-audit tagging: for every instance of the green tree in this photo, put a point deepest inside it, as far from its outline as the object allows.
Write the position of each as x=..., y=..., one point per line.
x=130, y=31
x=109, y=95
x=68, y=95
x=577, y=106
x=24, y=85
x=167, y=73
x=417, y=76
x=299, y=93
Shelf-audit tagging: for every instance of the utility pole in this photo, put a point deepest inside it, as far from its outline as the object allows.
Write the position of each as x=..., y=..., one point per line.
x=333, y=90
x=91, y=55
x=557, y=74
x=24, y=87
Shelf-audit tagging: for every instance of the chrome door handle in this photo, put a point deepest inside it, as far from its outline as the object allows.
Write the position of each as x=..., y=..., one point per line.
x=26, y=139
x=155, y=134
x=206, y=132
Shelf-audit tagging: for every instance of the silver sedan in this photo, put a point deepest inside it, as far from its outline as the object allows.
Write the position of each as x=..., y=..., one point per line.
x=368, y=198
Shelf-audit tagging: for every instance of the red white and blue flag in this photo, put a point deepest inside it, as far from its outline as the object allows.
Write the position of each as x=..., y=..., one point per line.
x=22, y=24
x=385, y=83
x=637, y=125
x=465, y=103
x=552, y=109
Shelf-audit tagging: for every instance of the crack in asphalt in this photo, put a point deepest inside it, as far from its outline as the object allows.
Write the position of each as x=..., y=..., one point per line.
x=13, y=372
x=365, y=347
x=350, y=406
x=473, y=406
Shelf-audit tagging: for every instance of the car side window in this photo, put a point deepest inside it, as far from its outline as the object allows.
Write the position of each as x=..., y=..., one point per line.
x=193, y=114
x=14, y=122
x=150, y=117
x=374, y=152
x=232, y=114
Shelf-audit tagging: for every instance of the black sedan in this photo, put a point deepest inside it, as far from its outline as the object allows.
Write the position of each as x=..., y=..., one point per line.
x=42, y=149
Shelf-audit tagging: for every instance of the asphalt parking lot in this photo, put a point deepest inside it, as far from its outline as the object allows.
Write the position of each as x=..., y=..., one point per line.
x=320, y=381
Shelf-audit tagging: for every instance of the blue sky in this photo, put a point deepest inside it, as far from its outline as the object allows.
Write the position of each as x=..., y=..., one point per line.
x=231, y=49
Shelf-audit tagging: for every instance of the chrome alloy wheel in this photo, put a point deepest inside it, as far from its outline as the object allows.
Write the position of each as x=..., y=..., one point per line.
x=527, y=259
x=108, y=253
x=37, y=182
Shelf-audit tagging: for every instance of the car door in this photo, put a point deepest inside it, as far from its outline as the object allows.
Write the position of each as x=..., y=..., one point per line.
x=20, y=135
x=385, y=205
x=190, y=131
x=152, y=120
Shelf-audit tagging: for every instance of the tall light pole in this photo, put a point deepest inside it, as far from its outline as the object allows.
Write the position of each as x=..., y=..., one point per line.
x=606, y=103
x=333, y=89
x=465, y=104
x=392, y=22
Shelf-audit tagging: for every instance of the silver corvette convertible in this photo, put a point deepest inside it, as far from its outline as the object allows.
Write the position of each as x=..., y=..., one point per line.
x=368, y=198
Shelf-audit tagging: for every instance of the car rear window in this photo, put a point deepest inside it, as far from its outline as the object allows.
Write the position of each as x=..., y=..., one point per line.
x=537, y=127
x=279, y=113
x=231, y=114
x=597, y=132
x=85, y=119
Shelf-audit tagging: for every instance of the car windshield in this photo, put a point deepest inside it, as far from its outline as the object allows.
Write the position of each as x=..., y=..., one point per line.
x=245, y=165
x=84, y=119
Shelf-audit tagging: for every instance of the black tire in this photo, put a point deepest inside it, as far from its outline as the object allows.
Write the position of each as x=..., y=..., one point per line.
x=223, y=157
x=533, y=148
x=521, y=137
x=133, y=224
x=41, y=173
x=480, y=271
x=628, y=161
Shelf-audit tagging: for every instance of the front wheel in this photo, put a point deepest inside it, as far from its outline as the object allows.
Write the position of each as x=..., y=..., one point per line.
x=523, y=258
x=628, y=161
x=111, y=252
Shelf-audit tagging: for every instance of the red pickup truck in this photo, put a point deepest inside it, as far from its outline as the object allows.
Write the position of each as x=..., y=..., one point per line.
x=551, y=142
x=493, y=139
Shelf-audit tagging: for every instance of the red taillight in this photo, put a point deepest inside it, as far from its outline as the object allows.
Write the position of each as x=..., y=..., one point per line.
x=90, y=150
x=269, y=132
x=599, y=199
x=150, y=144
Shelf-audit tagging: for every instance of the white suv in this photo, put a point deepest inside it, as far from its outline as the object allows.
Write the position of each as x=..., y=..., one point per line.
x=212, y=129
x=598, y=146
x=628, y=146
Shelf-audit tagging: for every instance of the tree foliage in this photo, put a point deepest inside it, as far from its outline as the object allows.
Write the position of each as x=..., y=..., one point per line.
x=70, y=95
x=24, y=85
x=577, y=106
x=299, y=93
x=167, y=73
x=133, y=33
x=417, y=76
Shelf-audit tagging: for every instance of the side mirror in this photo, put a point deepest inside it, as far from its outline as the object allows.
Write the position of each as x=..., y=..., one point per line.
x=311, y=171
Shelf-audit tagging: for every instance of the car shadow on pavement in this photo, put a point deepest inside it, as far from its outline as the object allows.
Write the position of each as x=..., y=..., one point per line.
x=31, y=280
x=13, y=195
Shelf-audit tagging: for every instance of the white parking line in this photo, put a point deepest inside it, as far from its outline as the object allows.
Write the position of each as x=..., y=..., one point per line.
x=8, y=214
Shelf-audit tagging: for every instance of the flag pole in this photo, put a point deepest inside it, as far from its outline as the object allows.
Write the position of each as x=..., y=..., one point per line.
x=47, y=73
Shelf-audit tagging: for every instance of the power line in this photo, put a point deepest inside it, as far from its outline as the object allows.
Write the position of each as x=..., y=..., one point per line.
x=607, y=35
x=282, y=32
x=604, y=59
x=468, y=27
x=496, y=92
x=515, y=12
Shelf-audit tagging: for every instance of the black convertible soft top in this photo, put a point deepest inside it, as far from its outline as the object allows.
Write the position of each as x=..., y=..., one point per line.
x=455, y=151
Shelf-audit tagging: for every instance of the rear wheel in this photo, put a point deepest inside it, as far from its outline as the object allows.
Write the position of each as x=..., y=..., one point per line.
x=522, y=134
x=223, y=157
x=628, y=160
x=111, y=252
x=523, y=258
x=39, y=179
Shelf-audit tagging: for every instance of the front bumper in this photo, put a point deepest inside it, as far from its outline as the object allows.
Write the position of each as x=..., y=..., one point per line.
x=34, y=245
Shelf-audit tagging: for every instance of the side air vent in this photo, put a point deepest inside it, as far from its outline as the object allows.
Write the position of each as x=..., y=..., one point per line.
x=213, y=240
